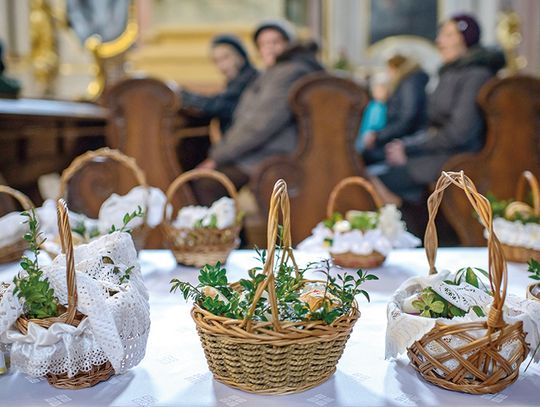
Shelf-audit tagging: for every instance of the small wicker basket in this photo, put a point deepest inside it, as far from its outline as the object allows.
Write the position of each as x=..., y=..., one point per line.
x=68, y=315
x=139, y=234
x=348, y=259
x=522, y=254
x=274, y=357
x=14, y=251
x=530, y=294
x=200, y=246
x=479, y=366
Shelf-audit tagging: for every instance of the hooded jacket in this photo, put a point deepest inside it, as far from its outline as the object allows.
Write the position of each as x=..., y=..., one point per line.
x=455, y=121
x=223, y=104
x=406, y=112
x=263, y=123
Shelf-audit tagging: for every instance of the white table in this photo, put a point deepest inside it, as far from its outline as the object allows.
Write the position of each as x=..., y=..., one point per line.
x=174, y=371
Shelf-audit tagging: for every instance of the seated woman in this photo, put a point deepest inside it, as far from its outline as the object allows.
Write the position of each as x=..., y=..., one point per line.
x=406, y=106
x=232, y=60
x=263, y=123
x=455, y=123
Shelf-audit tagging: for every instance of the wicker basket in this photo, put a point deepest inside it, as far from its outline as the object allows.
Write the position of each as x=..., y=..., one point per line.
x=348, y=259
x=14, y=251
x=530, y=294
x=197, y=247
x=68, y=315
x=480, y=368
x=275, y=357
x=139, y=234
x=522, y=254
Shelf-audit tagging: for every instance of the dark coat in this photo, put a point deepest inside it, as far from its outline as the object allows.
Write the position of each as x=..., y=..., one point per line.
x=263, y=123
x=406, y=108
x=456, y=123
x=223, y=104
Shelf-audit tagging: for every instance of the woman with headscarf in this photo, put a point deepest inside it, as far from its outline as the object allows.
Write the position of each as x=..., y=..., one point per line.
x=231, y=59
x=455, y=123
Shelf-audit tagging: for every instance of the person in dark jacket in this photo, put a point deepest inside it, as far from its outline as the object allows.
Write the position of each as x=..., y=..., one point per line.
x=231, y=58
x=263, y=123
x=406, y=106
x=455, y=123
x=9, y=88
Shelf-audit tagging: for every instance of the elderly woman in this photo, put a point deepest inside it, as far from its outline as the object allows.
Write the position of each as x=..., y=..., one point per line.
x=231, y=59
x=455, y=123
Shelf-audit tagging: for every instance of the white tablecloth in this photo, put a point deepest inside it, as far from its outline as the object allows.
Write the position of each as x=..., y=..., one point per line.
x=174, y=371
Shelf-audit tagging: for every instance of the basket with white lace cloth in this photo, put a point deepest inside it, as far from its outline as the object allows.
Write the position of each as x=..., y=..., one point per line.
x=471, y=354
x=113, y=209
x=103, y=327
x=520, y=238
x=12, y=228
x=201, y=235
x=359, y=247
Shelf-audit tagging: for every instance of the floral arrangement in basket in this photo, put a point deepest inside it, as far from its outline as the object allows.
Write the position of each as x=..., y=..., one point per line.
x=201, y=235
x=12, y=228
x=137, y=211
x=517, y=224
x=459, y=331
x=360, y=239
x=275, y=332
x=533, y=291
x=80, y=319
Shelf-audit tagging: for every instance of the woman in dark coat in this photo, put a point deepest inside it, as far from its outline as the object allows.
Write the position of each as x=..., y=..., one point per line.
x=406, y=106
x=232, y=60
x=455, y=123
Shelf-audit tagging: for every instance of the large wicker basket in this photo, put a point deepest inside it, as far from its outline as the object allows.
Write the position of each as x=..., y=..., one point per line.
x=349, y=259
x=68, y=315
x=472, y=348
x=14, y=251
x=274, y=357
x=139, y=234
x=200, y=246
x=522, y=254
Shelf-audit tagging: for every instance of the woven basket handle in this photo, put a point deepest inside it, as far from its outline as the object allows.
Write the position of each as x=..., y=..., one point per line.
x=498, y=275
x=67, y=248
x=528, y=178
x=196, y=174
x=105, y=152
x=330, y=207
x=25, y=202
x=279, y=202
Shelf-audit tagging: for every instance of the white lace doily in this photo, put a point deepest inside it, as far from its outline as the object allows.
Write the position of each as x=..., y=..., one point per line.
x=389, y=234
x=514, y=233
x=12, y=228
x=118, y=317
x=403, y=329
x=223, y=210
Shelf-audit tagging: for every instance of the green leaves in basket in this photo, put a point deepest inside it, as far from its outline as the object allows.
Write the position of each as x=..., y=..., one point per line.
x=363, y=220
x=128, y=217
x=333, y=297
x=534, y=269
x=431, y=305
x=331, y=221
x=498, y=207
x=84, y=232
x=31, y=286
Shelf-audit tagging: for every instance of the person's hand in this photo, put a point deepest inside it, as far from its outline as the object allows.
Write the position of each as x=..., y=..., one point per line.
x=395, y=153
x=369, y=140
x=207, y=164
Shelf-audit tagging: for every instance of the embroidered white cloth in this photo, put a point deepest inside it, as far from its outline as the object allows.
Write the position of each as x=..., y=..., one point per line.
x=12, y=228
x=223, y=211
x=514, y=233
x=111, y=213
x=390, y=233
x=403, y=328
x=118, y=317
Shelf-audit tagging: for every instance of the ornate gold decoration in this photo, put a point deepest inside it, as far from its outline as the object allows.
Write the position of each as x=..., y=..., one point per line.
x=509, y=37
x=44, y=50
x=103, y=51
